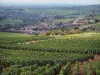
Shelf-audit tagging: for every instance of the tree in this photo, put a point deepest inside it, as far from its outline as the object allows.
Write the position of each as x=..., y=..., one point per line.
x=76, y=28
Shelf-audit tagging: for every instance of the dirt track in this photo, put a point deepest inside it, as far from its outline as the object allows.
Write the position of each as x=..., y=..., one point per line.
x=81, y=66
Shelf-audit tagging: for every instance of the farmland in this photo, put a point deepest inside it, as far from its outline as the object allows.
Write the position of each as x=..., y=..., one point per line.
x=49, y=37
x=73, y=54
x=8, y=34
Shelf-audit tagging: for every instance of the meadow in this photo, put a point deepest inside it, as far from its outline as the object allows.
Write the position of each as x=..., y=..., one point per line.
x=9, y=34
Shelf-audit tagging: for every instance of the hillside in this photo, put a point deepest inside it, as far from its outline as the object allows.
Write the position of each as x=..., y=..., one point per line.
x=60, y=40
x=69, y=54
x=19, y=17
x=88, y=27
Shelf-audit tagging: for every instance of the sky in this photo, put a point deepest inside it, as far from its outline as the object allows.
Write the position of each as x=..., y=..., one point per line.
x=80, y=2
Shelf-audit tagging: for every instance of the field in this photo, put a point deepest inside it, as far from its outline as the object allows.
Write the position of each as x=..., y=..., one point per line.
x=94, y=35
x=8, y=34
x=74, y=54
x=11, y=21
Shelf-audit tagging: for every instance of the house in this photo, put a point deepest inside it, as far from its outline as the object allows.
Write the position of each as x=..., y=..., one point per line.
x=43, y=26
x=67, y=24
x=81, y=22
x=21, y=30
x=29, y=29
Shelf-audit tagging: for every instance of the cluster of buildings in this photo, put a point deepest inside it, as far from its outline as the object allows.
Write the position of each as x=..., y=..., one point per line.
x=30, y=29
x=81, y=22
x=44, y=27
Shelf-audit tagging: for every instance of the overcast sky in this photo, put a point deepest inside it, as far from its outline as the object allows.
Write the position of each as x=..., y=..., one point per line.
x=83, y=2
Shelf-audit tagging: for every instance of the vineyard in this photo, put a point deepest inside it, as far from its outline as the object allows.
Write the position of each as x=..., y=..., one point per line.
x=46, y=55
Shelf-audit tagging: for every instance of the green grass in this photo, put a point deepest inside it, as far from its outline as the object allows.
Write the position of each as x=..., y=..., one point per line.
x=9, y=34
x=93, y=35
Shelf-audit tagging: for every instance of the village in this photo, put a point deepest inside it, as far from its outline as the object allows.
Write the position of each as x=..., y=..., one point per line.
x=42, y=28
x=32, y=21
x=45, y=27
